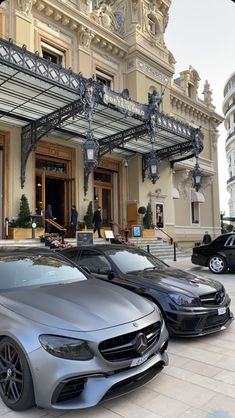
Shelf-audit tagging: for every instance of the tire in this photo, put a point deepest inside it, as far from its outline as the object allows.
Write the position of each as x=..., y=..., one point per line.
x=16, y=385
x=217, y=264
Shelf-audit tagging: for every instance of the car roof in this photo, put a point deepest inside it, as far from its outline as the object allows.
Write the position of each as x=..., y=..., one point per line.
x=7, y=251
x=103, y=247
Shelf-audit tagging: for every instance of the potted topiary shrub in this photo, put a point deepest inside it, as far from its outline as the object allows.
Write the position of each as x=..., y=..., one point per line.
x=148, y=227
x=21, y=228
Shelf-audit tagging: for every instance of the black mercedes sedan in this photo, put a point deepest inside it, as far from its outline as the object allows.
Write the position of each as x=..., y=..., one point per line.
x=190, y=305
x=219, y=255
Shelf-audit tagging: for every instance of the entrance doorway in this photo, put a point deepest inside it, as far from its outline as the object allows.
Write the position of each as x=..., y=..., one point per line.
x=103, y=198
x=55, y=196
x=54, y=187
x=106, y=195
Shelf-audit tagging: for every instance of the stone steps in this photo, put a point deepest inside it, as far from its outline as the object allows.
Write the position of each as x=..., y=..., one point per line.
x=159, y=248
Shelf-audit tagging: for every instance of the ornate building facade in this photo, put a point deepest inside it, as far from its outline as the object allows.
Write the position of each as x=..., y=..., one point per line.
x=229, y=114
x=121, y=45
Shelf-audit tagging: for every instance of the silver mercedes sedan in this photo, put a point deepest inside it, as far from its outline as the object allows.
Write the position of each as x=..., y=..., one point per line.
x=68, y=340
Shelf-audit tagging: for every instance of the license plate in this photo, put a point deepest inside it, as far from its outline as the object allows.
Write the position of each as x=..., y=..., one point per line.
x=221, y=311
x=139, y=360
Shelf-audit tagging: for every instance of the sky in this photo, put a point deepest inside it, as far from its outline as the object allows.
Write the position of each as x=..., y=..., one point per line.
x=201, y=33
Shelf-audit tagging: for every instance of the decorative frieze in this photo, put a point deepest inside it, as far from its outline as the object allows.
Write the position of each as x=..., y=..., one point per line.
x=136, y=64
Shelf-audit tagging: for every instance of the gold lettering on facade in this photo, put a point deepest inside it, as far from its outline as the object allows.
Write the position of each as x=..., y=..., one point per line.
x=124, y=104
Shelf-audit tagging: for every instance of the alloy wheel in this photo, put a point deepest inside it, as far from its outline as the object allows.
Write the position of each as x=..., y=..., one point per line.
x=217, y=264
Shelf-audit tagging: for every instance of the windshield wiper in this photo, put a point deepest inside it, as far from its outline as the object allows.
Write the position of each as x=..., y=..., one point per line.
x=150, y=268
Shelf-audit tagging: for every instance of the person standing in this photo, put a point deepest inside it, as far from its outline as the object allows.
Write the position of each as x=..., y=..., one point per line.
x=74, y=219
x=206, y=239
x=97, y=221
x=48, y=215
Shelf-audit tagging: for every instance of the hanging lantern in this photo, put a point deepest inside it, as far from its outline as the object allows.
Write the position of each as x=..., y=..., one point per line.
x=91, y=152
x=153, y=167
x=197, y=174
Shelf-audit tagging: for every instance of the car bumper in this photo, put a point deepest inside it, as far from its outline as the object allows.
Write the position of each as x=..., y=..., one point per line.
x=197, y=323
x=65, y=384
x=199, y=260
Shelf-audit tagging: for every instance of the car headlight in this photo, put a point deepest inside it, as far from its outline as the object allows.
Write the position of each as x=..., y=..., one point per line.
x=64, y=347
x=184, y=300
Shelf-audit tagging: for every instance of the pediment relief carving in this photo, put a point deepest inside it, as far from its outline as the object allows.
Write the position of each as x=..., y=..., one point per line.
x=111, y=19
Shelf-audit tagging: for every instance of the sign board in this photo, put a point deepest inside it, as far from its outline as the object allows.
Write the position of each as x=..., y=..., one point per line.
x=136, y=231
x=108, y=234
x=84, y=238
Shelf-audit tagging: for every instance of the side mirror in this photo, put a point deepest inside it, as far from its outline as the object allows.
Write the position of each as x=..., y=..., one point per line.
x=111, y=275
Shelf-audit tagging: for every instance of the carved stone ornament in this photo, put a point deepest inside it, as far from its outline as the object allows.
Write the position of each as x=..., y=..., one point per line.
x=191, y=77
x=104, y=16
x=184, y=182
x=207, y=93
x=4, y=5
x=206, y=181
x=171, y=58
x=135, y=11
x=214, y=136
x=152, y=22
x=25, y=6
x=85, y=37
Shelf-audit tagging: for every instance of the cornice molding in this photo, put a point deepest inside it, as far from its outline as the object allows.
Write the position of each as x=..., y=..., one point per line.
x=195, y=109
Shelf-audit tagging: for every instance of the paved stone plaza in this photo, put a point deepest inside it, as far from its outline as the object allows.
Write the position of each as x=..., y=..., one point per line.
x=198, y=383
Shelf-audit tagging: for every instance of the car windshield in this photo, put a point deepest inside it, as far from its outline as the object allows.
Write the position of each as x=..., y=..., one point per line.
x=36, y=270
x=128, y=260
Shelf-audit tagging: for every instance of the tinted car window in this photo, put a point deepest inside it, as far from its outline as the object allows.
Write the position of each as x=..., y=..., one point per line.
x=36, y=270
x=95, y=261
x=127, y=260
x=220, y=240
x=71, y=253
x=231, y=241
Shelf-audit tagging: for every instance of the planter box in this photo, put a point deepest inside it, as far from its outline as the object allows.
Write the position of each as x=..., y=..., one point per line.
x=148, y=233
x=24, y=233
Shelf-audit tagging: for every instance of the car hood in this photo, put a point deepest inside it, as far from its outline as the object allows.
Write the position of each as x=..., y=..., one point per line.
x=175, y=280
x=82, y=306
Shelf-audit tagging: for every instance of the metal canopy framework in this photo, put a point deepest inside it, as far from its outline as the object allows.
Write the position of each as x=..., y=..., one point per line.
x=42, y=97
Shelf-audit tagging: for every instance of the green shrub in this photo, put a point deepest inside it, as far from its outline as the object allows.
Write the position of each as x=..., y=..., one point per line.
x=24, y=218
x=88, y=218
x=148, y=217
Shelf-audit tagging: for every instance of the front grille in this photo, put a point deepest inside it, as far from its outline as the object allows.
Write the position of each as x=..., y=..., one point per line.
x=124, y=347
x=211, y=299
x=216, y=320
x=68, y=389
x=133, y=382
